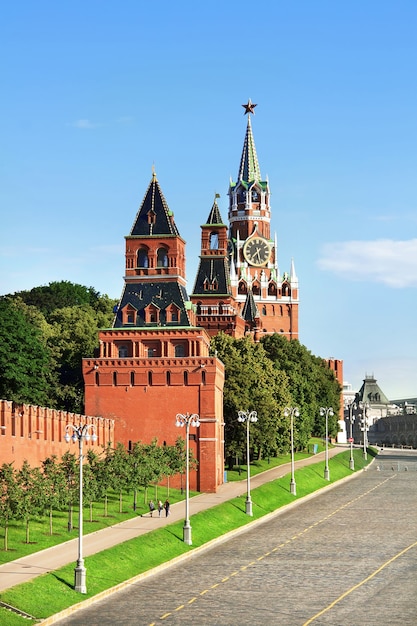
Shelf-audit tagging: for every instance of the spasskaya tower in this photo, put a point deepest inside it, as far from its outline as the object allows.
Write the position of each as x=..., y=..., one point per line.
x=239, y=288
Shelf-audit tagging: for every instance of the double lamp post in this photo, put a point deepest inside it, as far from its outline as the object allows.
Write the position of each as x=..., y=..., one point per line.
x=80, y=433
x=187, y=420
x=248, y=417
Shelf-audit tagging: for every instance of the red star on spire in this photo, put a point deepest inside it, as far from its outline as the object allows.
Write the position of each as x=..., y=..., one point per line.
x=249, y=107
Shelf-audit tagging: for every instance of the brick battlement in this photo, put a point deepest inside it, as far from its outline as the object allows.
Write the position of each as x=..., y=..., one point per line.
x=34, y=433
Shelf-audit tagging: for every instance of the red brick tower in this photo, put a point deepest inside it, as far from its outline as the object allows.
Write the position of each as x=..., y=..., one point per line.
x=239, y=289
x=154, y=362
x=212, y=294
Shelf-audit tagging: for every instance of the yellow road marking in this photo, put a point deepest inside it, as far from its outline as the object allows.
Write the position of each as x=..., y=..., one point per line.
x=365, y=580
x=285, y=543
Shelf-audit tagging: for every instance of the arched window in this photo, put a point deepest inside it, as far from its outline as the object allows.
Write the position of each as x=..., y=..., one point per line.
x=242, y=289
x=214, y=241
x=185, y=377
x=162, y=258
x=115, y=379
x=150, y=379
x=203, y=377
x=97, y=379
x=272, y=289
x=168, y=377
x=143, y=259
x=179, y=350
x=264, y=310
x=132, y=379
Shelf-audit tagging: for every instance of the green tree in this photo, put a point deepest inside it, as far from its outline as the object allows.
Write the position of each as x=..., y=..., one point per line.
x=62, y=294
x=9, y=498
x=55, y=487
x=93, y=489
x=69, y=468
x=62, y=320
x=74, y=336
x=120, y=471
x=311, y=381
x=32, y=499
x=24, y=357
x=251, y=383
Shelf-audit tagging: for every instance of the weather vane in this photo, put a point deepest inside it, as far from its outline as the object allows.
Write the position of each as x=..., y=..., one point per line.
x=249, y=107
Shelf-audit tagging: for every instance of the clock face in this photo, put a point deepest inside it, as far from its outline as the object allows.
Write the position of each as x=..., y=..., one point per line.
x=256, y=251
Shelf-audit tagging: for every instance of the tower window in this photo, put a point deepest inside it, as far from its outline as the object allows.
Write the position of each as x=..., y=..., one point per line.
x=123, y=352
x=162, y=258
x=143, y=259
x=214, y=241
x=242, y=289
x=272, y=289
x=153, y=349
x=180, y=350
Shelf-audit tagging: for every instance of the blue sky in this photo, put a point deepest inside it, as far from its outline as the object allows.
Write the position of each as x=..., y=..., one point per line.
x=96, y=93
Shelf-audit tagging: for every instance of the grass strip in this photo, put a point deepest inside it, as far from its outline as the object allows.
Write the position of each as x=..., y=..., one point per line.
x=53, y=592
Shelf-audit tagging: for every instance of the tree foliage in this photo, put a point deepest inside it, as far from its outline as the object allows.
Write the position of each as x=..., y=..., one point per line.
x=267, y=377
x=312, y=383
x=25, y=359
x=251, y=383
x=44, y=335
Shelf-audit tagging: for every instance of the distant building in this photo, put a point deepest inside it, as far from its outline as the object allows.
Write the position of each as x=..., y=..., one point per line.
x=388, y=422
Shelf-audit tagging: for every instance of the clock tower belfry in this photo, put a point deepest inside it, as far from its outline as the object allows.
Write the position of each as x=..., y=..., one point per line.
x=255, y=279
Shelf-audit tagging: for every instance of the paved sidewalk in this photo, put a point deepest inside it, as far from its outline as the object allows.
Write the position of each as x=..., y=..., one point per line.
x=28, y=567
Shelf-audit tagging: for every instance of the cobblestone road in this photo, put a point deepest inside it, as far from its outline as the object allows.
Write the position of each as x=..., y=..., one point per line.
x=347, y=557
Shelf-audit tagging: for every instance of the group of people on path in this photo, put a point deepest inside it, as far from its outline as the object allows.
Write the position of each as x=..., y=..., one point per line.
x=160, y=507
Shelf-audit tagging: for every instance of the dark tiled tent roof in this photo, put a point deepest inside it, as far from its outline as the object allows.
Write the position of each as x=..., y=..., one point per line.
x=212, y=269
x=162, y=295
x=250, y=310
x=214, y=216
x=154, y=216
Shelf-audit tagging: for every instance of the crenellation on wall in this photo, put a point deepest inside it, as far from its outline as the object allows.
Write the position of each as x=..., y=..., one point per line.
x=33, y=433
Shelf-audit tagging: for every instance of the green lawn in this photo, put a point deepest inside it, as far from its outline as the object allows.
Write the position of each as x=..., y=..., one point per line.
x=256, y=467
x=53, y=592
x=40, y=537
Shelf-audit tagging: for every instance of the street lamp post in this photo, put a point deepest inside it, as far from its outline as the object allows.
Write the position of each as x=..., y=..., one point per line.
x=187, y=420
x=292, y=412
x=327, y=411
x=80, y=433
x=351, y=408
x=364, y=428
x=248, y=417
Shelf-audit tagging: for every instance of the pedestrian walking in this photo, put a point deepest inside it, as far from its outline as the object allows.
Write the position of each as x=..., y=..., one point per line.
x=151, y=507
x=160, y=507
x=166, y=507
